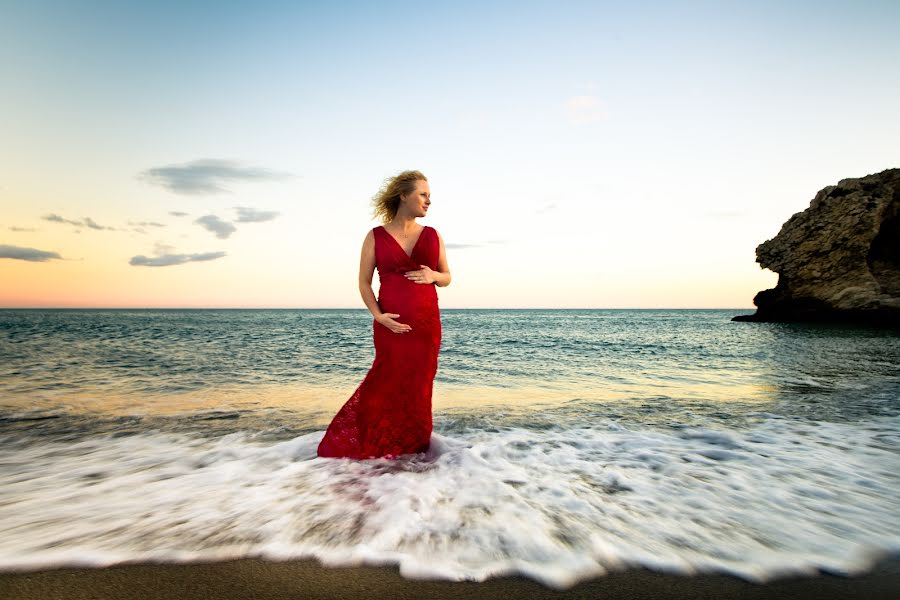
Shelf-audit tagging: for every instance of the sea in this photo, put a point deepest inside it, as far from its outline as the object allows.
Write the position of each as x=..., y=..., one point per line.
x=567, y=444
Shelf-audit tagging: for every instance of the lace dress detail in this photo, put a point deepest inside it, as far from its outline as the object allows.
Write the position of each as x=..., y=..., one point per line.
x=389, y=413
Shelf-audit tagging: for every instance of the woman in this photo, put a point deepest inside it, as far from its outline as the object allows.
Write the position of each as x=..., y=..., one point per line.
x=389, y=414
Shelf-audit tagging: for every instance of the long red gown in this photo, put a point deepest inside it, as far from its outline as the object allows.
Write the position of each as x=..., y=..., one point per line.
x=389, y=414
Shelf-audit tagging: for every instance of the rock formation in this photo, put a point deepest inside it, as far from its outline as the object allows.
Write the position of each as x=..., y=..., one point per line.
x=838, y=260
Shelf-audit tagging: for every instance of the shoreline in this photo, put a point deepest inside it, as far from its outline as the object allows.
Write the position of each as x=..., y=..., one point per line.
x=307, y=578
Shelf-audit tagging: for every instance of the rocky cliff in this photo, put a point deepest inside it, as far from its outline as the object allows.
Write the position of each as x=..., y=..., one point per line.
x=838, y=260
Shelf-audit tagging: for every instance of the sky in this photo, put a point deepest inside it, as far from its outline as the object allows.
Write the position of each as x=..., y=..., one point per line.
x=579, y=154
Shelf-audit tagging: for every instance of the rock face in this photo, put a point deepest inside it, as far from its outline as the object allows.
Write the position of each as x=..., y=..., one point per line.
x=838, y=260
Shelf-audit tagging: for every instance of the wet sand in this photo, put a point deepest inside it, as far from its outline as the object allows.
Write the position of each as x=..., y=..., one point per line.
x=260, y=579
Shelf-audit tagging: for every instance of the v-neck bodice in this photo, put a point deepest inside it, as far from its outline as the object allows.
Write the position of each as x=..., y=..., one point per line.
x=391, y=258
x=418, y=239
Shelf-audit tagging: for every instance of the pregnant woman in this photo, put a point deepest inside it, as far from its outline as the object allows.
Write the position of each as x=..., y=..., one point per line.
x=389, y=414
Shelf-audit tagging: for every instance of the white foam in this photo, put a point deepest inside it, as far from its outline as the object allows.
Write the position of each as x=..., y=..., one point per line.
x=786, y=497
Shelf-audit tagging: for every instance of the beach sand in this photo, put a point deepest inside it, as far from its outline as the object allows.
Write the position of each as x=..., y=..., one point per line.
x=259, y=579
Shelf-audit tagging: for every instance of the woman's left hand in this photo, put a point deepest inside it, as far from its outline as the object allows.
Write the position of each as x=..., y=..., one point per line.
x=423, y=275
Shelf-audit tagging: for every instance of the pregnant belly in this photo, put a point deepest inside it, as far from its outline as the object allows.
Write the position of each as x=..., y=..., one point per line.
x=416, y=303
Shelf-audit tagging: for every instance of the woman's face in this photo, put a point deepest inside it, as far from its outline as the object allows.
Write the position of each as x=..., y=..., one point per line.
x=417, y=202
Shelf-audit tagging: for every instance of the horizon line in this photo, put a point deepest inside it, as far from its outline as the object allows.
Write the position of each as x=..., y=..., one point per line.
x=366, y=309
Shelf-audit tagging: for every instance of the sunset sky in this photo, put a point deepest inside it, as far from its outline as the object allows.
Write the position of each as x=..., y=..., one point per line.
x=579, y=154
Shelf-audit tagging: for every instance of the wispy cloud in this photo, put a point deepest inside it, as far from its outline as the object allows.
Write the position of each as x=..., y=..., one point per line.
x=29, y=254
x=58, y=219
x=585, y=109
x=161, y=248
x=89, y=222
x=14, y=228
x=206, y=176
x=546, y=207
x=177, y=213
x=251, y=215
x=461, y=246
x=168, y=260
x=139, y=227
x=85, y=222
x=222, y=229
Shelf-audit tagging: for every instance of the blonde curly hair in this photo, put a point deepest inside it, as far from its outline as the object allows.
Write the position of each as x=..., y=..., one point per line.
x=387, y=200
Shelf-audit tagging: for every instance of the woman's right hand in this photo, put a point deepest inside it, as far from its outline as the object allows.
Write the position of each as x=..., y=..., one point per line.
x=387, y=319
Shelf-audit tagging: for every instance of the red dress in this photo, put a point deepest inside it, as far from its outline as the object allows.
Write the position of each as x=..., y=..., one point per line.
x=389, y=414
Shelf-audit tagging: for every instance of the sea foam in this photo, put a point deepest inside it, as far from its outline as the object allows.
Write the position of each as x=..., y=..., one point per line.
x=783, y=497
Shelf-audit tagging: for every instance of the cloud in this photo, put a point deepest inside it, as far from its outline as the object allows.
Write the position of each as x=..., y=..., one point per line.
x=251, y=215
x=90, y=223
x=160, y=248
x=222, y=229
x=29, y=254
x=167, y=260
x=14, y=228
x=585, y=109
x=458, y=246
x=139, y=227
x=176, y=213
x=461, y=246
x=58, y=219
x=86, y=222
x=206, y=176
x=546, y=207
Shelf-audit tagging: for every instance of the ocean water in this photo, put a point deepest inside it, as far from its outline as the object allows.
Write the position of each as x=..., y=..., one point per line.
x=567, y=443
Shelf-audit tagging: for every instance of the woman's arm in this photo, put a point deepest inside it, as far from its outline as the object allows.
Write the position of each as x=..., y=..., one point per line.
x=366, y=271
x=442, y=275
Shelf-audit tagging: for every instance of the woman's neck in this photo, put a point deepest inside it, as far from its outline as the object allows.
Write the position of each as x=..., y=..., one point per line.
x=404, y=224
